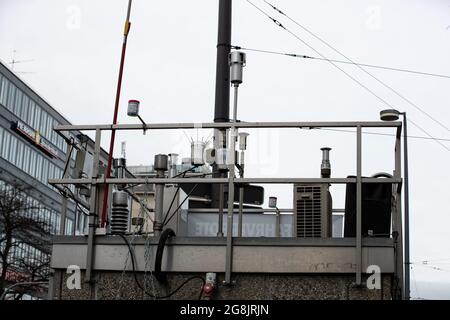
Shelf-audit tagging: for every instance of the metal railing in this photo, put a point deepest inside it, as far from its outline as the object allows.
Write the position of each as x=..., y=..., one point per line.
x=358, y=179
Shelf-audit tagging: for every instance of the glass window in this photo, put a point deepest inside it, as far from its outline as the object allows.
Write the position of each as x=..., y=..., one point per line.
x=4, y=91
x=43, y=128
x=54, y=134
x=58, y=222
x=26, y=158
x=10, y=97
x=25, y=103
x=30, y=117
x=6, y=139
x=20, y=154
x=18, y=103
x=12, y=102
x=48, y=132
x=45, y=172
x=32, y=164
x=37, y=118
x=1, y=87
x=39, y=167
x=1, y=143
x=13, y=151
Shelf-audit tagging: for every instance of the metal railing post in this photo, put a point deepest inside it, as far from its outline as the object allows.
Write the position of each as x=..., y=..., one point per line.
x=397, y=218
x=93, y=215
x=358, y=206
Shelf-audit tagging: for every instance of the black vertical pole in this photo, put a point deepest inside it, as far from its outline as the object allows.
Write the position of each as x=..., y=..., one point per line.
x=222, y=99
x=222, y=102
x=406, y=184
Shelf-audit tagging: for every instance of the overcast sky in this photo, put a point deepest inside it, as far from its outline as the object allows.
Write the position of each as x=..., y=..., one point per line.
x=170, y=67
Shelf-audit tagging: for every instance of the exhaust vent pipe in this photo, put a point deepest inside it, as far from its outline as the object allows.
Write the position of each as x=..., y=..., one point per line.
x=325, y=167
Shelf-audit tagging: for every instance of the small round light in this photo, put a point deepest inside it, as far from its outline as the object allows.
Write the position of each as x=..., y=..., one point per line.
x=389, y=115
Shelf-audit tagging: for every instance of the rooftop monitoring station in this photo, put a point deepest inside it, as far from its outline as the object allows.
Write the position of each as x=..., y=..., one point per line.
x=200, y=228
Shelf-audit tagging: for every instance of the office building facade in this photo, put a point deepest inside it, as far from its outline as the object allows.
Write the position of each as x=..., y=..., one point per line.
x=31, y=152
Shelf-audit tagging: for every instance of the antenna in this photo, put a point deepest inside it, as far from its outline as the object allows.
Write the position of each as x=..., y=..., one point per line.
x=189, y=138
x=13, y=62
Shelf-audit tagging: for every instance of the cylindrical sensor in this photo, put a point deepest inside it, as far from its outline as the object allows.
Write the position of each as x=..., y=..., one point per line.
x=160, y=162
x=133, y=108
x=272, y=202
x=173, y=161
x=325, y=168
x=243, y=140
x=237, y=62
x=198, y=153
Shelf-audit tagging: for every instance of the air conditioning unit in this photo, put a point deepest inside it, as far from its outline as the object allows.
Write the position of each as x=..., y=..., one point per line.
x=312, y=211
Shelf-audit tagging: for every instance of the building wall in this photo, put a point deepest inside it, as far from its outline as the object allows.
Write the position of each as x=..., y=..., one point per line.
x=118, y=285
x=31, y=152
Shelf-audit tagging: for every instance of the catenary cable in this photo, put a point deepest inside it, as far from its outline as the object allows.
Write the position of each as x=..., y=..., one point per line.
x=383, y=134
x=302, y=56
x=279, y=24
x=360, y=67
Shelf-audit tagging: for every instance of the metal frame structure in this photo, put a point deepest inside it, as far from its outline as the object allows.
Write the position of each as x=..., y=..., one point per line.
x=396, y=180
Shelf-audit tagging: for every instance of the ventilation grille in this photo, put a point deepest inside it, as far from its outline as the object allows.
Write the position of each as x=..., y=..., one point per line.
x=308, y=211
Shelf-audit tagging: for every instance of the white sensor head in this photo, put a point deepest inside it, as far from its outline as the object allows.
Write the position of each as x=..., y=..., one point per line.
x=237, y=61
x=133, y=108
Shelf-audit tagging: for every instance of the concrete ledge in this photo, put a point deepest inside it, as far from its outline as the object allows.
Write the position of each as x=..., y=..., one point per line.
x=250, y=255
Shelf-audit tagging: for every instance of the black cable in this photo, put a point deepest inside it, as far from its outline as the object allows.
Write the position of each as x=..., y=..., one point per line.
x=175, y=195
x=186, y=171
x=383, y=134
x=302, y=56
x=347, y=74
x=178, y=189
x=362, y=69
x=178, y=208
x=133, y=263
x=166, y=234
x=68, y=161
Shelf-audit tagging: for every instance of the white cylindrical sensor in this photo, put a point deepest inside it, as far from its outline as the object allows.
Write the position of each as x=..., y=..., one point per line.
x=243, y=140
x=133, y=108
x=237, y=62
x=272, y=202
x=198, y=153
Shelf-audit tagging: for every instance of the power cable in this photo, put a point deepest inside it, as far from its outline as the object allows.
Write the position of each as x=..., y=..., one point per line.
x=302, y=56
x=433, y=267
x=360, y=67
x=178, y=208
x=279, y=24
x=383, y=134
x=133, y=264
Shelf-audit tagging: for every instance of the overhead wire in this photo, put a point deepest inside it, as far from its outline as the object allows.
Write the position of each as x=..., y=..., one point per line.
x=383, y=134
x=432, y=267
x=302, y=56
x=359, y=66
x=279, y=24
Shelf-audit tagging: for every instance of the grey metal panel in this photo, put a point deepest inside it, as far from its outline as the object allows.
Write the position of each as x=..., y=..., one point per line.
x=312, y=211
x=251, y=259
x=216, y=241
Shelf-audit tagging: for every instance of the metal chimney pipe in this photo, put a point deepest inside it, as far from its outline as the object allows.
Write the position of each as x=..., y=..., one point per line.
x=325, y=168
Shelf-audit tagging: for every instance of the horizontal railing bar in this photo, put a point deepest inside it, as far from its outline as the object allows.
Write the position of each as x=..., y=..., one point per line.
x=251, y=210
x=222, y=180
x=219, y=125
